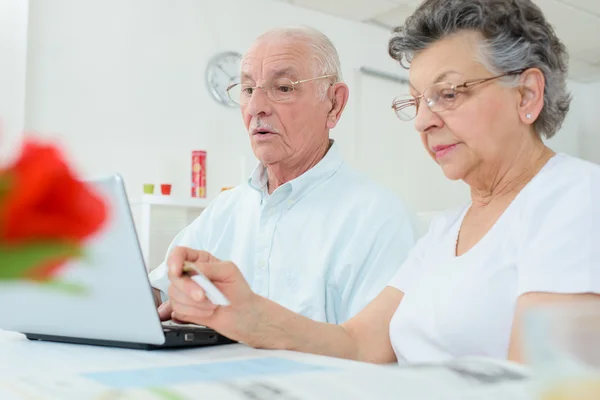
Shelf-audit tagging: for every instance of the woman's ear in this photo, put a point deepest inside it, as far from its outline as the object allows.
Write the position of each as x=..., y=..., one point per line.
x=532, y=95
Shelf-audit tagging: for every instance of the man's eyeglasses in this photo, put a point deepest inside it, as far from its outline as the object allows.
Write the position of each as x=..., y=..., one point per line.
x=439, y=97
x=279, y=89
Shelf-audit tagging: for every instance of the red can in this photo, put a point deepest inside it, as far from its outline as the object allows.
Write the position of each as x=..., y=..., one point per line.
x=198, y=173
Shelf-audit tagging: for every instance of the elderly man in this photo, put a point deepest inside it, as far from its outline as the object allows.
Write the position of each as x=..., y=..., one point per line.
x=307, y=231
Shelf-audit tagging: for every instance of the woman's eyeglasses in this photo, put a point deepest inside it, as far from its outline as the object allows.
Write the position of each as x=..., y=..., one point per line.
x=439, y=97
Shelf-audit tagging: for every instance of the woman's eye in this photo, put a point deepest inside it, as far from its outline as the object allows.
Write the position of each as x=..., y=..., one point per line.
x=448, y=95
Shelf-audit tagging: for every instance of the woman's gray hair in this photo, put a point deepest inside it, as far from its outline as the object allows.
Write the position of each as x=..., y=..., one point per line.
x=326, y=60
x=516, y=35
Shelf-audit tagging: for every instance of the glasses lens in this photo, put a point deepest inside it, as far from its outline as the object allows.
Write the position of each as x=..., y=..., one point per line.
x=405, y=108
x=281, y=89
x=235, y=93
x=440, y=96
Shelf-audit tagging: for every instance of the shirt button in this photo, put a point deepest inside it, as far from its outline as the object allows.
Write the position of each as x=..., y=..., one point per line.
x=263, y=264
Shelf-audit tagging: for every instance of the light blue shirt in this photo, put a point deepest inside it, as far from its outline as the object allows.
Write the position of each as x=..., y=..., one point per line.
x=322, y=245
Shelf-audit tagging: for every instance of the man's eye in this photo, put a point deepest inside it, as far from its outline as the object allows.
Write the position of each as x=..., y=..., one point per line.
x=285, y=88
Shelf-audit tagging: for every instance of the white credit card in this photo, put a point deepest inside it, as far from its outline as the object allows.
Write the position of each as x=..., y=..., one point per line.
x=212, y=292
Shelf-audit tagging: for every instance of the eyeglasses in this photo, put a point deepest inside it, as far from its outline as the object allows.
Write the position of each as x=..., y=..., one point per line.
x=439, y=97
x=279, y=89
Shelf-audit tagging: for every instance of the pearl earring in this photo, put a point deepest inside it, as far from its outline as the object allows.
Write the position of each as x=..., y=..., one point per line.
x=528, y=116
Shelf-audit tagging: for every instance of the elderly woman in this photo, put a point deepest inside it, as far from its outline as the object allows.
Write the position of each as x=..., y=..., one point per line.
x=487, y=82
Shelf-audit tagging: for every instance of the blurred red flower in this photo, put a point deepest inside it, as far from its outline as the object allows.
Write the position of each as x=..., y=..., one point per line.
x=45, y=213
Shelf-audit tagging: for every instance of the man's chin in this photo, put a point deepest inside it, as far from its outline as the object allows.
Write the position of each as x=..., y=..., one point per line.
x=267, y=154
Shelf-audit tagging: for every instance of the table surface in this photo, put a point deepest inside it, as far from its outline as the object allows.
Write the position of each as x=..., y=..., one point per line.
x=224, y=372
x=21, y=358
x=18, y=354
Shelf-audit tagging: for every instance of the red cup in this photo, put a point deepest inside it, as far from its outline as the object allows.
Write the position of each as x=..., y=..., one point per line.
x=165, y=188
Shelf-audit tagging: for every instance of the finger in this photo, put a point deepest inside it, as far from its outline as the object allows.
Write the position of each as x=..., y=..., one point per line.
x=222, y=271
x=157, y=297
x=205, y=256
x=165, y=310
x=188, y=287
x=177, y=321
x=177, y=296
x=190, y=314
x=180, y=254
x=176, y=259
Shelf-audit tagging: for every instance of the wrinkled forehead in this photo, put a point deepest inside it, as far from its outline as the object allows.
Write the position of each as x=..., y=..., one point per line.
x=273, y=58
x=452, y=59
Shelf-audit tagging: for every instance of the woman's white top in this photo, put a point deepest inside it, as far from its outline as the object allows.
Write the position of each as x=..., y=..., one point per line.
x=547, y=240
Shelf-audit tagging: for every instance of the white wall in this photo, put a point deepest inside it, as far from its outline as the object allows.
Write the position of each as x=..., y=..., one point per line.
x=589, y=123
x=568, y=138
x=13, y=51
x=122, y=83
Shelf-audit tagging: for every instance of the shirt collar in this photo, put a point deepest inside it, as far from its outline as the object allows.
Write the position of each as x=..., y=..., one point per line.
x=305, y=182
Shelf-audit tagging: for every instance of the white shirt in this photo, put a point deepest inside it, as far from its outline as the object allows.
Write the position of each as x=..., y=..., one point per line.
x=547, y=240
x=322, y=245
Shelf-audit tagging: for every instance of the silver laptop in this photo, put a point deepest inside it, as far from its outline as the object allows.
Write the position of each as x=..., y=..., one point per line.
x=115, y=306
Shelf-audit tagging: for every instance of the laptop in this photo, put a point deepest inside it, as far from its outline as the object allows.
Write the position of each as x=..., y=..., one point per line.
x=114, y=306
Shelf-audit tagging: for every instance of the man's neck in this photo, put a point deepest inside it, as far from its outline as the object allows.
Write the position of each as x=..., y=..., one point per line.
x=282, y=172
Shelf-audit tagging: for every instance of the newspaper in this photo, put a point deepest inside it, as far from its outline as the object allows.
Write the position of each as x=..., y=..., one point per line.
x=468, y=378
x=472, y=378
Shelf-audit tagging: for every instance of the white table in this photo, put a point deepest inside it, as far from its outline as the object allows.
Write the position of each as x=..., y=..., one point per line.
x=21, y=358
x=56, y=370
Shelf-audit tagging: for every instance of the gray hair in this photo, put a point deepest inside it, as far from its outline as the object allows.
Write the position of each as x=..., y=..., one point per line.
x=326, y=60
x=516, y=35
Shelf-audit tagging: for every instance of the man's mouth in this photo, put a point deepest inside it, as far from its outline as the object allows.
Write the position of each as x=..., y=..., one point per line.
x=261, y=131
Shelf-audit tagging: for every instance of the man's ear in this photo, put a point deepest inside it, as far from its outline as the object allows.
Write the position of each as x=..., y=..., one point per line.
x=338, y=93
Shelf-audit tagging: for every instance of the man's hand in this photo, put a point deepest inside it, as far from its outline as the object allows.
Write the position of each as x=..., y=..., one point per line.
x=157, y=297
x=190, y=304
x=164, y=309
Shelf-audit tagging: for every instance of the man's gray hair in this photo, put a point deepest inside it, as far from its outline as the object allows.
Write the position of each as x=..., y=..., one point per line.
x=516, y=35
x=326, y=60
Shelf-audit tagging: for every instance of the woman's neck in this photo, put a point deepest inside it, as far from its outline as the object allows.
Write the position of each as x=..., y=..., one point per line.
x=505, y=179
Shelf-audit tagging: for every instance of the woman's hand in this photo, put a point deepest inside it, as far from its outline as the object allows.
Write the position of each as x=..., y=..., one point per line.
x=262, y=323
x=238, y=321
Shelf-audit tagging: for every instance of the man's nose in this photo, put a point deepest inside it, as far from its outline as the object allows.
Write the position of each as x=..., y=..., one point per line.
x=259, y=102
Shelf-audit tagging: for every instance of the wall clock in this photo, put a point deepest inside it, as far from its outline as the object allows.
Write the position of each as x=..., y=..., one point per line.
x=222, y=70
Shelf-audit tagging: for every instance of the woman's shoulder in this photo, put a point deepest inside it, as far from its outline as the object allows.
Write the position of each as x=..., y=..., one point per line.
x=556, y=230
x=562, y=176
x=565, y=169
x=566, y=186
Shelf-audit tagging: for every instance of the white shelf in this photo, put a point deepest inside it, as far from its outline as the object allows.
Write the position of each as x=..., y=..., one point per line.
x=158, y=200
x=150, y=210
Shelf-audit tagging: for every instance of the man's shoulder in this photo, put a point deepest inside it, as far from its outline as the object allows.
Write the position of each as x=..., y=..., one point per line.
x=354, y=193
x=361, y=189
